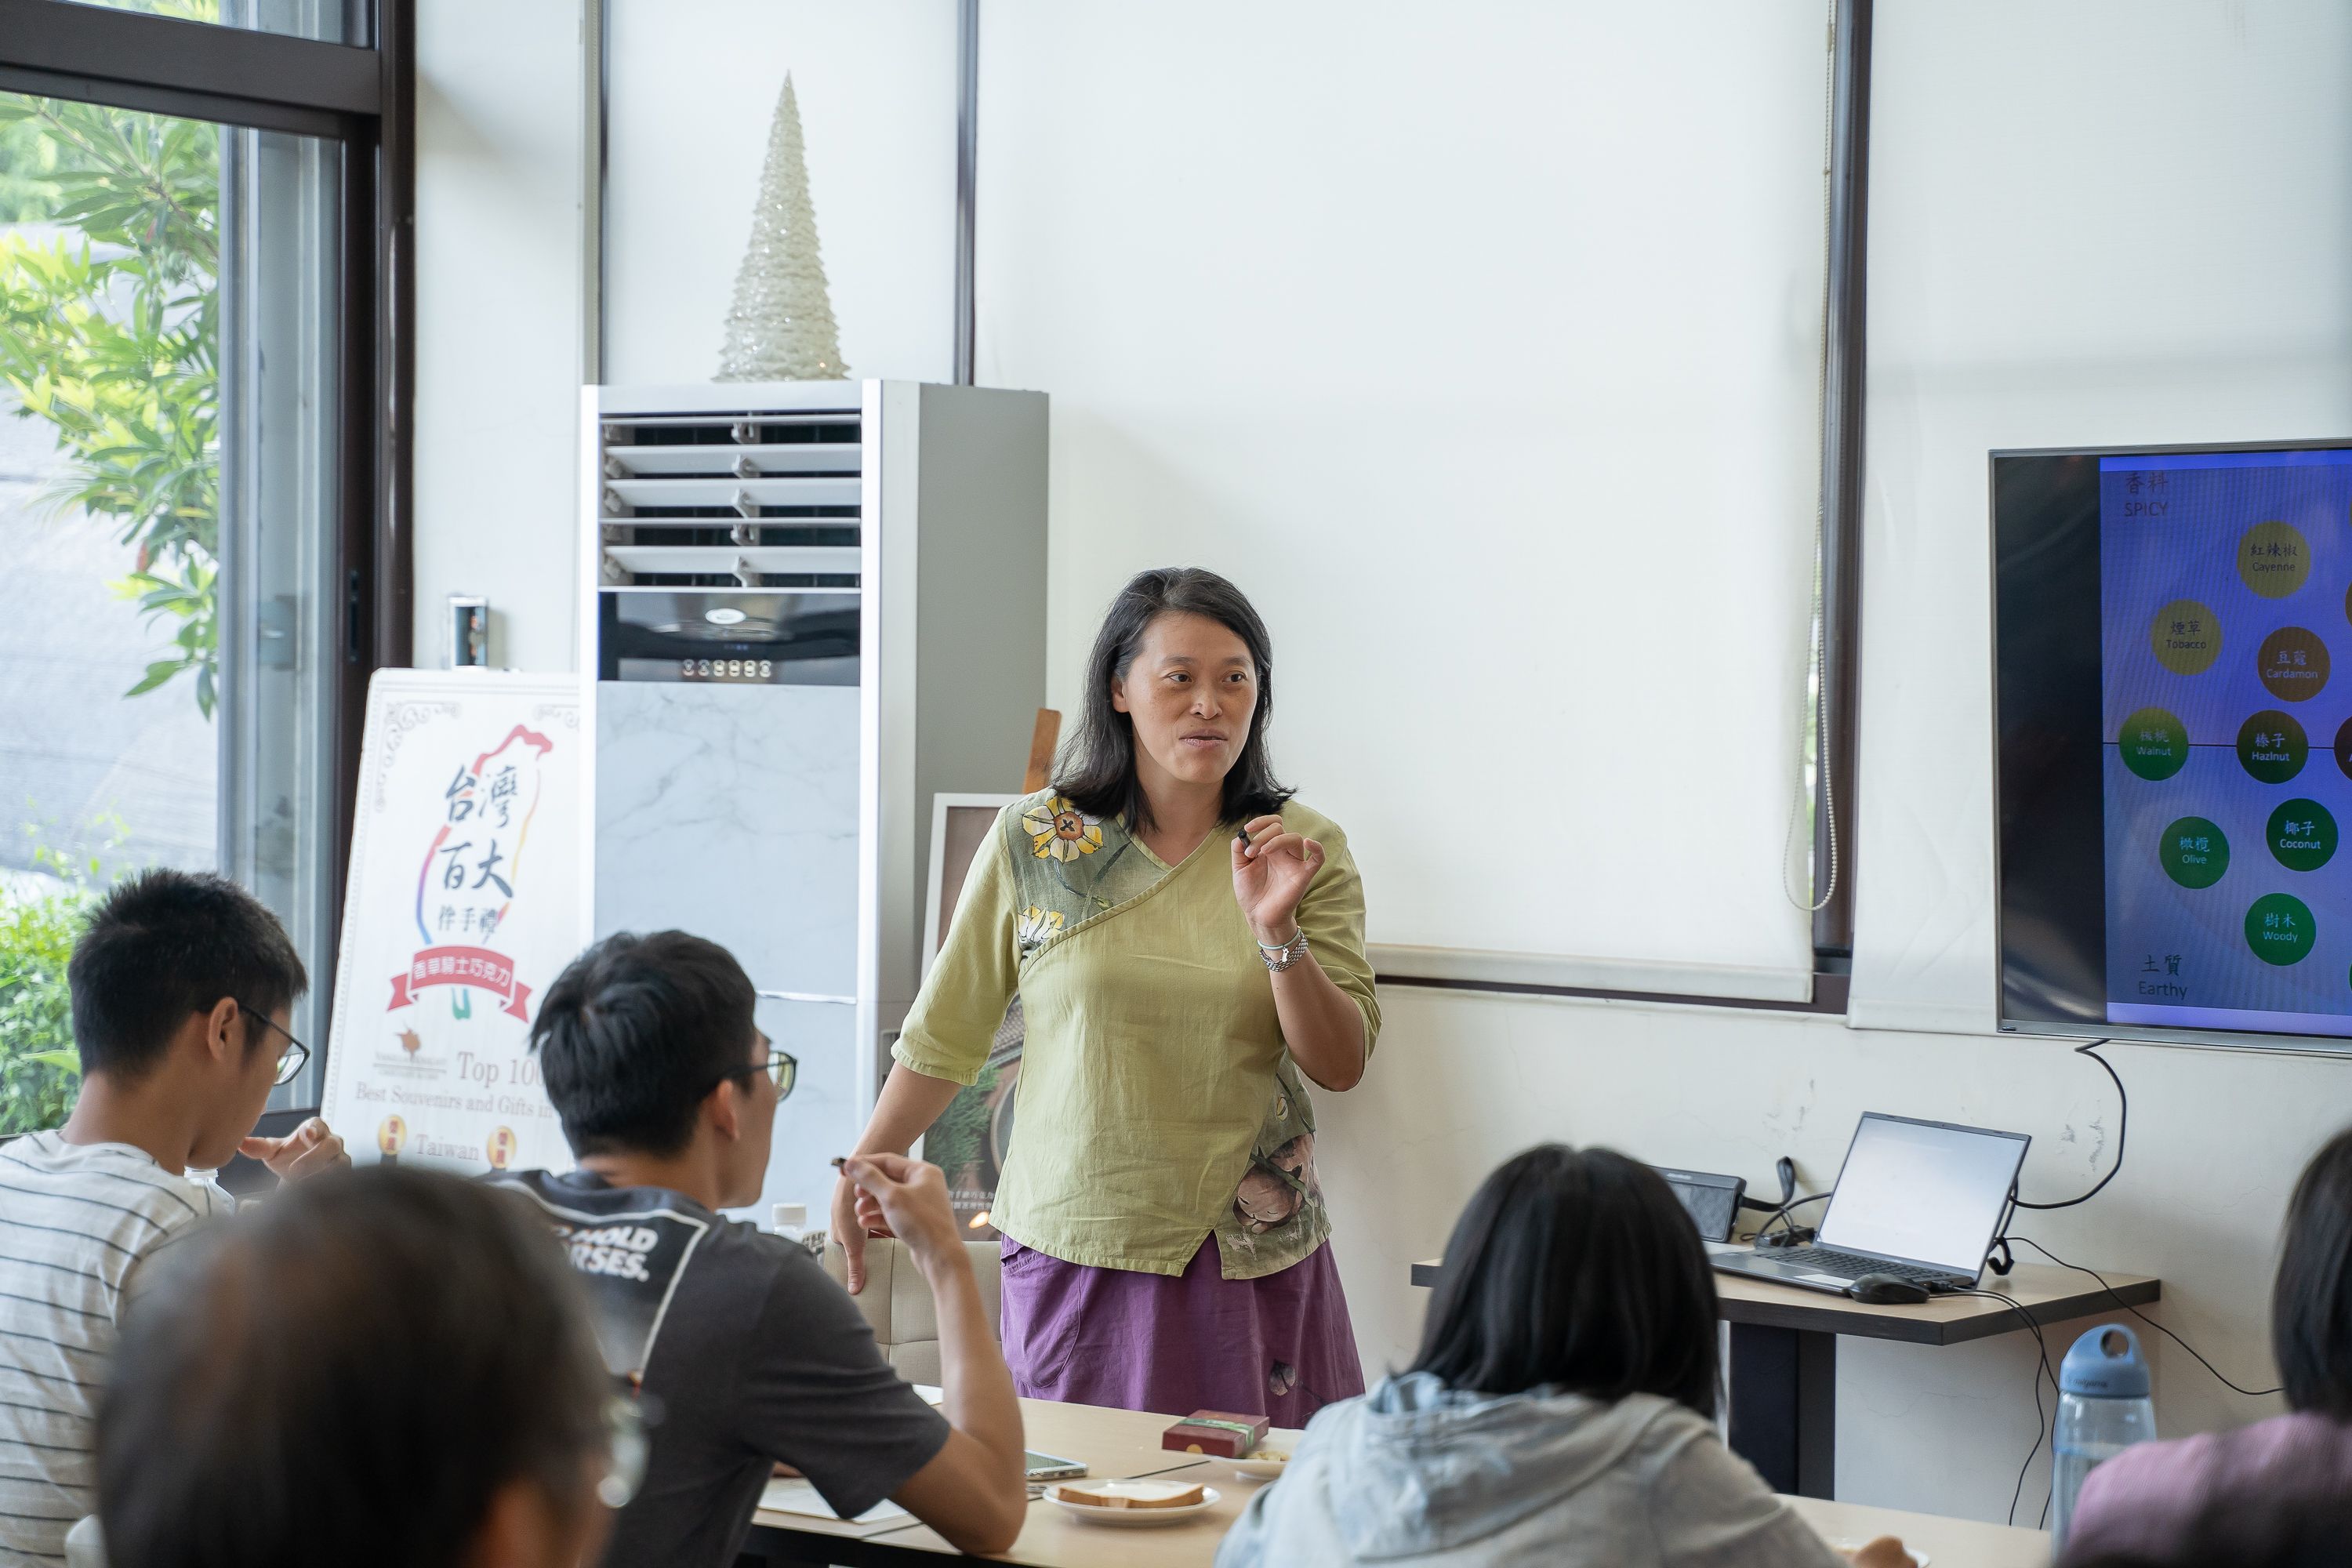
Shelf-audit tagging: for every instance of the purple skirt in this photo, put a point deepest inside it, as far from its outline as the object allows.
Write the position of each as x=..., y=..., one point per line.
x=1280, y=1346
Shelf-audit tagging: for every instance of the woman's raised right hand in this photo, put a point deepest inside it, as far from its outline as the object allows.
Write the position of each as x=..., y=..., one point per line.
x=855, y=1215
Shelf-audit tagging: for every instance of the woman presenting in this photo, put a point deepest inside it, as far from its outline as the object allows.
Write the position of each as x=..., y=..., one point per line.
x=1186, y=941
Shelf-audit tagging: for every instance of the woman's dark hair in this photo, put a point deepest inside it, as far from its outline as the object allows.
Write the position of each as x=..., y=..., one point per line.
x=2311, y=1300
x=165, y=945
x=351, y=1376
x=1577, y=1269
x=1097, y=773
x=633, y=1036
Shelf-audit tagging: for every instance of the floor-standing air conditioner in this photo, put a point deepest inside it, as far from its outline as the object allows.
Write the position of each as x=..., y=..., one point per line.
x=809, y=607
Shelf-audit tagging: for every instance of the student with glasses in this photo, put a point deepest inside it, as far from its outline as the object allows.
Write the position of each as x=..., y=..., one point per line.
x=181, y=987
x=741, y=1352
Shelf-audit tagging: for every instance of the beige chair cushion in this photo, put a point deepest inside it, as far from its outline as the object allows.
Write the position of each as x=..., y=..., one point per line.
x=898, y=1303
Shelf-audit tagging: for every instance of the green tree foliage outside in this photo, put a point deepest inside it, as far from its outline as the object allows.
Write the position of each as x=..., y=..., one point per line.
x=40, y=1071
x=110, y=337
x=108, y=334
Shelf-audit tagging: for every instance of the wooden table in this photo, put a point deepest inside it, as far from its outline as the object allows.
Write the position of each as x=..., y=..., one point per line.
x=1123, y=1444
x=1783, y=1373
x=1961, y=1542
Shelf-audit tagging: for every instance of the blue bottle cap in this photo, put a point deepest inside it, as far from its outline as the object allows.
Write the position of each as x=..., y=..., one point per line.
x=2105, y=1363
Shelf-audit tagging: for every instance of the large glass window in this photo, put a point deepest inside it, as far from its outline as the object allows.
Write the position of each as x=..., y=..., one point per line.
x=168, y=656
x=330, y=21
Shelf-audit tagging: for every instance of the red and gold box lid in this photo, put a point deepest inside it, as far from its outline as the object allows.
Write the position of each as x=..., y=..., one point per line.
x=1220, y=1432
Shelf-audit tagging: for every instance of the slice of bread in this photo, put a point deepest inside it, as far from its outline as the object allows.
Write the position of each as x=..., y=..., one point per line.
x=1128, y=1494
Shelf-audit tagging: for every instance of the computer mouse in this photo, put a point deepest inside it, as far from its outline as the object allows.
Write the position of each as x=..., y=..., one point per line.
x=1887, y=1291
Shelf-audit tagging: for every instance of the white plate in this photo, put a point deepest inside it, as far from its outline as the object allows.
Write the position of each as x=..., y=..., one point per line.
x=1261, y=1470
x=1133, y=1516
x=1917, y=1556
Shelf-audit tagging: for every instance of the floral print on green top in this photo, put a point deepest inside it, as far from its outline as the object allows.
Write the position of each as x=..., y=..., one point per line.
x=1072, y=868
x=1079, y=867
x=1157, y=1100
x=1278, y=1216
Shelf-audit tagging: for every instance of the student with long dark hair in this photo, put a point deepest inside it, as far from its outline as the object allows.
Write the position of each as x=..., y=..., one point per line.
x=1188, y=944
x=2147, y=1500
x=1561, y=1410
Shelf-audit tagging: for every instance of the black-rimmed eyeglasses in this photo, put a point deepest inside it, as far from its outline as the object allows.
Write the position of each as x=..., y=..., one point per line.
x=782, y=1067
x=291, y=1061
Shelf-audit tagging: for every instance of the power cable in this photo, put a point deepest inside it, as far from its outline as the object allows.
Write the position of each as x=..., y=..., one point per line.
x=2041, y=1419
x=2151, y=1322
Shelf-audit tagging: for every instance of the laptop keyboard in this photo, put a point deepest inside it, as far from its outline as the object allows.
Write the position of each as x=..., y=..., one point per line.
x=1830, y=1260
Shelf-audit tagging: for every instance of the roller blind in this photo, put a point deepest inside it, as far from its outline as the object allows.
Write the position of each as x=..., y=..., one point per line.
x=2113, y=222
x=1479, y=343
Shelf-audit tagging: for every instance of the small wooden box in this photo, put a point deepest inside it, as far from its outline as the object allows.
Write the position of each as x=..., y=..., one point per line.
x=1218, y=1432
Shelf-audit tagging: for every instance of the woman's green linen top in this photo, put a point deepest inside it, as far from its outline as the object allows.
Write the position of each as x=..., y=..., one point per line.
x=1156, y=1102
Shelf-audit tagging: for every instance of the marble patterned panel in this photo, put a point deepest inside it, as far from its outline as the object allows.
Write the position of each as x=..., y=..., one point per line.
x=731, y=812
x=823, y=1118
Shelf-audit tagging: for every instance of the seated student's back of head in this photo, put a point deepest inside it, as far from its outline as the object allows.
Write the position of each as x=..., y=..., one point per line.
x=1561, y=1410
x=387, y=1368
x=1576, y=1268
x=164, y=944
x=636, y=1033
x=2311, y=1299
x=2270, y=1490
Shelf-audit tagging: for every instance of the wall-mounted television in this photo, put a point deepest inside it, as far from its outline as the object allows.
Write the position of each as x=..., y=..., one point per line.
x=2172, y=706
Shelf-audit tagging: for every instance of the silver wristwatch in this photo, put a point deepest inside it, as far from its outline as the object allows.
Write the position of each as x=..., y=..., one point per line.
x=1281, y=957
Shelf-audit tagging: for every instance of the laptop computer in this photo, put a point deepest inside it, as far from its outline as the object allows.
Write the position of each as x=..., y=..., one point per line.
x=1919, y=1200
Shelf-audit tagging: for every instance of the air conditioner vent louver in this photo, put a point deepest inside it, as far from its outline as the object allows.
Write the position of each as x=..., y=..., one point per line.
x=749, y=497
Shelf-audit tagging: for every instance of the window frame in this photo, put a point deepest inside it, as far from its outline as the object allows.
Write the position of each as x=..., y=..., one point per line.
x=362, y=97
x=1844, y=368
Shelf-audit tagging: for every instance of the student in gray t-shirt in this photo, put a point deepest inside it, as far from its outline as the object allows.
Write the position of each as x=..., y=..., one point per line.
x=744, y=1351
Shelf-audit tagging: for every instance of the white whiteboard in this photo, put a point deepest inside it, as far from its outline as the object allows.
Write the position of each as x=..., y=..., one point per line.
x=463, y=905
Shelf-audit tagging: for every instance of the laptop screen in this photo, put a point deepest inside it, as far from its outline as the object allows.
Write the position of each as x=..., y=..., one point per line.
x=1923, y=1191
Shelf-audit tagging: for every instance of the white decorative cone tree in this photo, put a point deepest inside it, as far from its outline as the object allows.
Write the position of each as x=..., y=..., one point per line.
x=780, y=327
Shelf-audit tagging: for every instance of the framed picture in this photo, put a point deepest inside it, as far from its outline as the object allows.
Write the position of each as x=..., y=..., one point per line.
x=959, y=825
x=972, y=1135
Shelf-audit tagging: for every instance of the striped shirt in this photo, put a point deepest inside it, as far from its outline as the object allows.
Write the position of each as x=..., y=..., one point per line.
x=75, y=1220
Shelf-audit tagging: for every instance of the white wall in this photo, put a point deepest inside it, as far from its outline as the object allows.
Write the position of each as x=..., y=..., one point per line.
x=2216, y=1140
x=692, y=92
x=2106, y=223
x=501, y=169
x=1967, y=288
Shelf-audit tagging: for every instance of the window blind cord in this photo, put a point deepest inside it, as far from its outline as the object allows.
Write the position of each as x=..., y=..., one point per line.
x=1811, y=733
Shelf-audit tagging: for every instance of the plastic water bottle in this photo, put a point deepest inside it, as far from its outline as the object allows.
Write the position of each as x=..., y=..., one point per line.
x=2103, y=1409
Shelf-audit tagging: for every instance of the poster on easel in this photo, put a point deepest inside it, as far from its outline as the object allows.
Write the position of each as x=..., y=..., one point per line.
x=465, y=901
